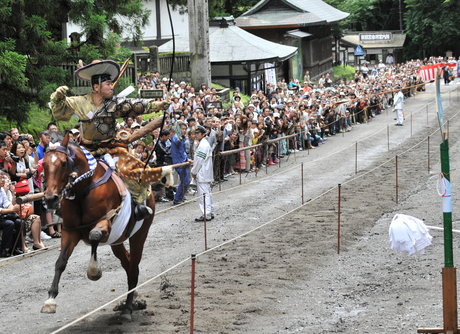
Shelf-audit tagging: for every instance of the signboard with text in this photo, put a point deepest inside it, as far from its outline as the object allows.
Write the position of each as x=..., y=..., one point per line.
x=376, y=37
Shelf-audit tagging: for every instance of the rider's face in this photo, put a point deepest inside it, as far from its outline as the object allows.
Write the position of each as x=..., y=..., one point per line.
x=106, y=89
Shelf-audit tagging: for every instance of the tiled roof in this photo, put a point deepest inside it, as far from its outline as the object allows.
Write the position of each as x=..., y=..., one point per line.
x=290, y=13
x=235, y=45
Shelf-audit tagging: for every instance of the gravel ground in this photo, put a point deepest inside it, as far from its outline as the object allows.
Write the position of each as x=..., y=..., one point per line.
x=286, y=275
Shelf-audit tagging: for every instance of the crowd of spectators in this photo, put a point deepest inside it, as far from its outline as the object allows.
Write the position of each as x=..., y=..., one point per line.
x=307, y=112
x=287, y=117
x=20, y=175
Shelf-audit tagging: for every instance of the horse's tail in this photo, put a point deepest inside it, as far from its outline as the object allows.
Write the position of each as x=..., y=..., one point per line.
x=167, y=171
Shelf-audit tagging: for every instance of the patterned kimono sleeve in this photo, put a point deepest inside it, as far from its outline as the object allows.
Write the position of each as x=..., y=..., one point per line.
x=127, y=107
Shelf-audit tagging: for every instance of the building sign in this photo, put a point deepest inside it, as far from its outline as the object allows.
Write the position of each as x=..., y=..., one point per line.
x=376, y=37
x=374, y=51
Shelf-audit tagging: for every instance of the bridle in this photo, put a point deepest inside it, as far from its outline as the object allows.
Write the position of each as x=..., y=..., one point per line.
x=73, y=179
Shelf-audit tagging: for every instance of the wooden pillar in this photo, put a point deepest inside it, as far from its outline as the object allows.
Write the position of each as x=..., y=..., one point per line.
x=198, y=23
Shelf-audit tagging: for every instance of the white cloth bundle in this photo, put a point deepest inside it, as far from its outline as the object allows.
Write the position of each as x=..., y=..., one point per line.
x=409, y=234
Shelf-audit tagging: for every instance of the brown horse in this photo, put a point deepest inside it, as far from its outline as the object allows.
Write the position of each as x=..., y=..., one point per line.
x=89, y=201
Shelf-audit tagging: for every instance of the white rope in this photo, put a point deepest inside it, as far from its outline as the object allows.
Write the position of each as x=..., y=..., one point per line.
x=443, y=183
x=441, y=228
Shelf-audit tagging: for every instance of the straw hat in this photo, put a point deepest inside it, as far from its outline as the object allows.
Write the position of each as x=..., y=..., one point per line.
x=98, y=67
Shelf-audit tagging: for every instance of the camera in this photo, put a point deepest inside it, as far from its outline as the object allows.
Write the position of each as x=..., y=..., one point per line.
x=32, y=144
x=14, y=157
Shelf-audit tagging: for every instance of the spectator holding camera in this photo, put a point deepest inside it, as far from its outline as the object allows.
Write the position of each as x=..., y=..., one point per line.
x=21, y=171
x=5, y=158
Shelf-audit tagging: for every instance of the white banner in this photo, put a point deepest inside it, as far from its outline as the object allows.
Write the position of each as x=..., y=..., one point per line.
x=270, y=73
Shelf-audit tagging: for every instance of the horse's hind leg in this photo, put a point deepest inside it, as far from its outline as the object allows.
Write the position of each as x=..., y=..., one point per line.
x=68, y=242
x=130, y=262
x=123, y=255
x=98, y=234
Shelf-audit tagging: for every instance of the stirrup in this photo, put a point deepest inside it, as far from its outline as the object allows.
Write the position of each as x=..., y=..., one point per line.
x=142, y=211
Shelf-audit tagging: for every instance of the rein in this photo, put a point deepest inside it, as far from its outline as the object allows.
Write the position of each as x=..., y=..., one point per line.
x=73, y=179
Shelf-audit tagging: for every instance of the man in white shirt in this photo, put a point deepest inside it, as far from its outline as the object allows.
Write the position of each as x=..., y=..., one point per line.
x=203, y=173
x=398, y=104
x=389, y=59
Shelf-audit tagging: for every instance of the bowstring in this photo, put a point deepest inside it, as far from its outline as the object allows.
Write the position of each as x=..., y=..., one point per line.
x=168, y=89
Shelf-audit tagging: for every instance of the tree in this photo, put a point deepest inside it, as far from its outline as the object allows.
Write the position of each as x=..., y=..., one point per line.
x=432, y=28
x=219, y=7
x=32, y=46
x=367, y=15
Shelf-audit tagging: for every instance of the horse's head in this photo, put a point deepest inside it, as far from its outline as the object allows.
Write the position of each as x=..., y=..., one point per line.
x=56, y=167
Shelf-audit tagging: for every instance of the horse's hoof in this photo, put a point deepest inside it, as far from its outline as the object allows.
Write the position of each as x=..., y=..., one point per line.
x=49, y=307
x=94, y=270
x=126, y=317
x=94, y=273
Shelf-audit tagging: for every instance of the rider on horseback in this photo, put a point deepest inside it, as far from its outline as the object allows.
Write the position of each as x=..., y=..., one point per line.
x=98, y=113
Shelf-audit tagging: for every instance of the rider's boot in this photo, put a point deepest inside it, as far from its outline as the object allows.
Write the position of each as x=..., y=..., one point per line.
x=141, y=211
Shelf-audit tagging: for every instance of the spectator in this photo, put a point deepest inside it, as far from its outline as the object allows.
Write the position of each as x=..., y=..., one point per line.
x=10, y=224
x=179, y=155
x=44, y=142
x=52, y=127
x=14, y=134
x=5, y=159
x=202, y=172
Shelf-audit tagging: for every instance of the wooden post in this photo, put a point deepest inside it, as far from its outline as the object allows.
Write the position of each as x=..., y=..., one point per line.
x=356, y=158
x=301, y=180
x=396, y=179
x=204, y=220
x=388, y=137
x=338, y=221
x=192, y=296
x=428, y=154
x=449, y=296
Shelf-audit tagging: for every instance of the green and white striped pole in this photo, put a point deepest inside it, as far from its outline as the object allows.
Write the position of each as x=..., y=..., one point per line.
x=449, y=274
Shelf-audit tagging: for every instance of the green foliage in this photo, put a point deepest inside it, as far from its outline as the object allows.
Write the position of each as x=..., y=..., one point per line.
x=218, y=7
x=99, y=18
x=432, y=28
x=366, y=15
x=347, y=72
x=31, y=46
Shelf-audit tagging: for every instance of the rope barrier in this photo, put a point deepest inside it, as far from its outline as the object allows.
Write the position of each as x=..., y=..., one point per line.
x=294, y=165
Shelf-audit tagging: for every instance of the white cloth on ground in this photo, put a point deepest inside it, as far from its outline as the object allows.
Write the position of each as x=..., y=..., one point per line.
x=409, y=234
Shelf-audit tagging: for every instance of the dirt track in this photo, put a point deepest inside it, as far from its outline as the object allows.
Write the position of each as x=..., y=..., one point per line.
x=286, y=276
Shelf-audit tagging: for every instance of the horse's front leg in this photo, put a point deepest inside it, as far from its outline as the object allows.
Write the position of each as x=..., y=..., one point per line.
x=100, y=233
x=68, y=242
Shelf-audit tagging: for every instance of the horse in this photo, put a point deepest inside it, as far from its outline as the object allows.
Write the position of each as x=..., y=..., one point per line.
x=88, y=215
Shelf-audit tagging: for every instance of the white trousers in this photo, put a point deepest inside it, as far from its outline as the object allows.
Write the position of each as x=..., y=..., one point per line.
x=399, y=116
x=205, y=188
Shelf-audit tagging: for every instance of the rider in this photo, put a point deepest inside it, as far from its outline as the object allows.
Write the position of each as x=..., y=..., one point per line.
x=98, y=112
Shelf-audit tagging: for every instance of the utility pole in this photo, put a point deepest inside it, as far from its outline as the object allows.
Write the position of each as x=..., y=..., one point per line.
x=198, y=23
